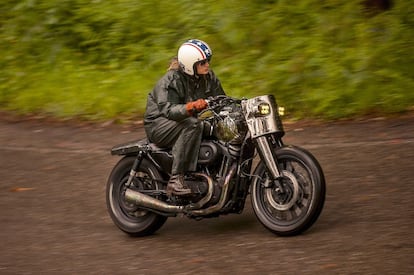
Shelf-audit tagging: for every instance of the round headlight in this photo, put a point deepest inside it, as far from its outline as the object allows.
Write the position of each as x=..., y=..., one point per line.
x=226, y=129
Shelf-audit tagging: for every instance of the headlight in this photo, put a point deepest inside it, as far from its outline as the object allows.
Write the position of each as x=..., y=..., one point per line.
x=226, y=129
x=281, y=111
x=263, y=109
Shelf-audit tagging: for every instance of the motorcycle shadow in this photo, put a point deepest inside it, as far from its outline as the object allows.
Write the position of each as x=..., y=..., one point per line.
x=230, y=224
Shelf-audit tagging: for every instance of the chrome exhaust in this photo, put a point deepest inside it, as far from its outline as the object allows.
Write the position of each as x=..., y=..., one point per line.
x=207, y=197
x=223, y=197
x=149, y=202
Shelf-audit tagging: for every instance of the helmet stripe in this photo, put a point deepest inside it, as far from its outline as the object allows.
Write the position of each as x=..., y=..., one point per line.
x=198, y=48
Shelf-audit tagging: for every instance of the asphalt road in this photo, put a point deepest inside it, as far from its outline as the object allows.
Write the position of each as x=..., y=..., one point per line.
x=53, y=215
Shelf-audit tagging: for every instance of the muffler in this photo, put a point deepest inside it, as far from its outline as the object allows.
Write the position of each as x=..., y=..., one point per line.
x=149, y=202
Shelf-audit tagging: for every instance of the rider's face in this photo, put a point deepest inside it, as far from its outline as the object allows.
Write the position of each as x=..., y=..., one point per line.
x=203, y=67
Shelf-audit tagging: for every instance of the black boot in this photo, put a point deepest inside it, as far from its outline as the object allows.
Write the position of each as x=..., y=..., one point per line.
x=177, y=186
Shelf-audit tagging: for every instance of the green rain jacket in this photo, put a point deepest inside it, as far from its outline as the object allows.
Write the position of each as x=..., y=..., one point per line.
x=174, y=90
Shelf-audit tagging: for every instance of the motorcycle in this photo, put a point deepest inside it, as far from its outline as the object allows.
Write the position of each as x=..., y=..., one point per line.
x=242, y=154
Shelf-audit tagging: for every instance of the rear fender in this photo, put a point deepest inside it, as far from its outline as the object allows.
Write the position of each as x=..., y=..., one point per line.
x=160, y=157
x=130, y=148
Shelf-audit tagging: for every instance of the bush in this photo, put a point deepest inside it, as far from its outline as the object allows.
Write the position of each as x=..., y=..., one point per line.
x=99, y=59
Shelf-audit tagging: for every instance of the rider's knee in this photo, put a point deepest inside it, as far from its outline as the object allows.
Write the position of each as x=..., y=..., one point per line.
x=194, y=124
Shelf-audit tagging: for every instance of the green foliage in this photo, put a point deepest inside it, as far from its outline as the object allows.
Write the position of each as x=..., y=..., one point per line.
x=99, y=59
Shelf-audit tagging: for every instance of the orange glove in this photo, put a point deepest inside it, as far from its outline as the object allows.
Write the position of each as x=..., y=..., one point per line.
x=198, y=105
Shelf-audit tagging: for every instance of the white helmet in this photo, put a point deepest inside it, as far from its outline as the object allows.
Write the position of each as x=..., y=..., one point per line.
x=191, y=52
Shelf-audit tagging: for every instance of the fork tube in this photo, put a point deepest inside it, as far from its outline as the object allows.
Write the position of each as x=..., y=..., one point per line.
x=268, y=156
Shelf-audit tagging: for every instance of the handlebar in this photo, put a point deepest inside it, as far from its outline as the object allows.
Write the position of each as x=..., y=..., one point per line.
x=221, y=100
x=215, y=104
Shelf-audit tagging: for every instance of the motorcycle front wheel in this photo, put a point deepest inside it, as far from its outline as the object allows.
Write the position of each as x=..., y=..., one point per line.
x=291, y=206
x=127, y=216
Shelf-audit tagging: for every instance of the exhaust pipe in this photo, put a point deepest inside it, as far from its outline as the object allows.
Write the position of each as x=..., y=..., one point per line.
x=223, y=197
x=149, y=202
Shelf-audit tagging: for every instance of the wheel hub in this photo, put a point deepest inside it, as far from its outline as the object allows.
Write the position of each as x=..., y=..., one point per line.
x=284, y=201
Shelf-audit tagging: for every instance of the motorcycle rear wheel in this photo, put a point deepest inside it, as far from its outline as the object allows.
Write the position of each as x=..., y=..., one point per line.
x=126, y=216
x=296, y=209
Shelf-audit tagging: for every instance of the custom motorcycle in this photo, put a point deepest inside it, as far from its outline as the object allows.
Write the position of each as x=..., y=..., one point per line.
x=242, y=154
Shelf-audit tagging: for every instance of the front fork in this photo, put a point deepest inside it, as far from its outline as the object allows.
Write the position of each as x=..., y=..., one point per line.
x=268, y=156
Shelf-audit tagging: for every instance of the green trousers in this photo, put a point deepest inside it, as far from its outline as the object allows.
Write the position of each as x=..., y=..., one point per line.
x=184, y=137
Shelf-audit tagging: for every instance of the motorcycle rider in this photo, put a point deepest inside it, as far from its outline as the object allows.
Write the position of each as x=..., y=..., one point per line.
x=170, y=118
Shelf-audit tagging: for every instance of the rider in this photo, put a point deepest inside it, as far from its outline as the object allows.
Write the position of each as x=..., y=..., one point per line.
x=171, y=115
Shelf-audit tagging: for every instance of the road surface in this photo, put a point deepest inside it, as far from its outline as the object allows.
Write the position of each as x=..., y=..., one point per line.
x=54, y=220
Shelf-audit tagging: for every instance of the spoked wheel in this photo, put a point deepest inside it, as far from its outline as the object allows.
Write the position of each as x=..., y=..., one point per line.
x=127, y=216
x=292, y=205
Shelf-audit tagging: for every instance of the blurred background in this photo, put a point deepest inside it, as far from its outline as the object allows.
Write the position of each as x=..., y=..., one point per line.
x=98, y=59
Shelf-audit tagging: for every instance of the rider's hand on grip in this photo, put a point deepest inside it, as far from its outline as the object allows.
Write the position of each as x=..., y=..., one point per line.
x=198, y=105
